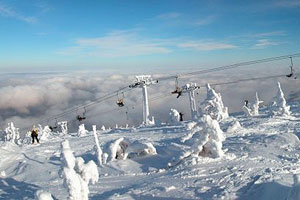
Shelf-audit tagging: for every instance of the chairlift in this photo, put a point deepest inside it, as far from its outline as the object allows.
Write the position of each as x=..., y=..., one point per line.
x=52, y=128
x=120, y=101
x=177, y=90
x=83, y=117
x=292, y=70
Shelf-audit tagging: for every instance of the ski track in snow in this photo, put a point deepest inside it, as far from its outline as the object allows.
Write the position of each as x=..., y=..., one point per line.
x=260, y=160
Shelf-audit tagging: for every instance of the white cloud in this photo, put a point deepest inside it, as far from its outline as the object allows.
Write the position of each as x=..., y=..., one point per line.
x=206, y=45
x=170, y=15
x=263, y=43
x=288, y=3
x=272, y=33
x=5, y=11
x=116, y=44
x=205, y=21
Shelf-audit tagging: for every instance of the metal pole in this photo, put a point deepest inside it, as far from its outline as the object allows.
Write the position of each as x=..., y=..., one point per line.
x=145, y=106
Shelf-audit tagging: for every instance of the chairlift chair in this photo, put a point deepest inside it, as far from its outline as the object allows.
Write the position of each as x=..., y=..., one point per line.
x=52, y=128
x=177, y=90
x=83, y=117
x=120, y=101
x=292, y=70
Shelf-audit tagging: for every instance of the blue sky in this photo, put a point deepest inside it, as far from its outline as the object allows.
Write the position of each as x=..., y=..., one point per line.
x=133, y=35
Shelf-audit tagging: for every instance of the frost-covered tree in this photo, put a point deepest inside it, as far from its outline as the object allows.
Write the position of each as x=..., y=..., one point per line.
x=102, y=128
x=213, y=105
x=97, y=147
x=117, y=149
x=88, y=174
x=81, y=130
x=206, y=138
x=76, y=174
x=255, y=105
x=247, y=110
x=174, y=117
x=11, y=134
x=64, y=127
x=44, y=133
x=278, y=107
x=252, y=109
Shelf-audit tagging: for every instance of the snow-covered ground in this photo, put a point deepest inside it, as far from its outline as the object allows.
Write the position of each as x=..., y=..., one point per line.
x=261, y=157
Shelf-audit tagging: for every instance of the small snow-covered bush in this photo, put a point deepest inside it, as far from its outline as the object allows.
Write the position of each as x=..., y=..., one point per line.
x=76, y=174
x=213, y=105
x=11, y=134
x=81, y=130
x=117, y=149
x=102, y=128
x=174, y=117
x=278, y=107
x=206, y=138
x=252, y=109
x=64, y=127
x=43, y=195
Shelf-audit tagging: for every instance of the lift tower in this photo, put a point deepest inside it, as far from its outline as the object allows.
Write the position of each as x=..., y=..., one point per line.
x=143, y=81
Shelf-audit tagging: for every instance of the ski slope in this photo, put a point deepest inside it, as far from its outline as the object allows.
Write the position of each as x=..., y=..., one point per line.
x=260, y=160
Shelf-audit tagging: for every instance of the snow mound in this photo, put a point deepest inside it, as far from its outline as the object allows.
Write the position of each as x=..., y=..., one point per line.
x=43, y=195
x=121, y=149
x=234, y=126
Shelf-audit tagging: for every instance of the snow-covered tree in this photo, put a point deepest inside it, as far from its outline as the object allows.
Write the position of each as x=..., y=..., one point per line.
x=97, y=147
x=174, y=117
x=44, y=133
x=206, y=138
x=255, y=105
x=278, y=107
x=247, y=110
x=11, y=134
x=102, y=128
x=64, y=127
x=252, y=109
x=117, y=149
x=81, y=130
x=76, y=174
x=213, y=105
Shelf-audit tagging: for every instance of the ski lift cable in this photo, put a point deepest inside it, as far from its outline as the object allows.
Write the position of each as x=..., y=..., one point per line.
x=90, y=104
x=248, y=79
x=73, y=109
x=232, y=66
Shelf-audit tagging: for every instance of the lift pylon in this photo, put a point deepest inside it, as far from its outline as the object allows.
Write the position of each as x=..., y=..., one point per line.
x=143, y=81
